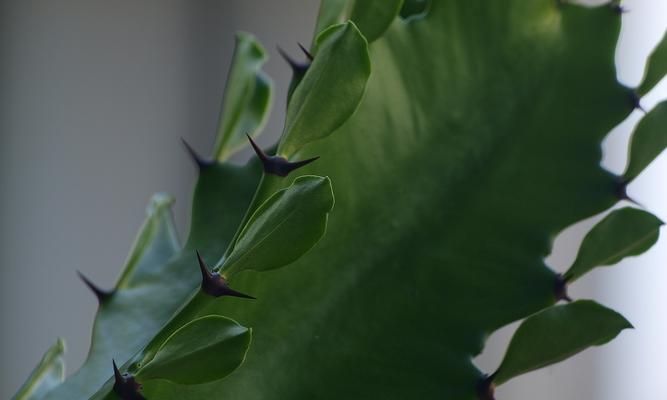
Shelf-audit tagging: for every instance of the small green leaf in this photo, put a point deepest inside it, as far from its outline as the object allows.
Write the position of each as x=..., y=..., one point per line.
x=206, y=349
x=373, y=17
x=247, y=99
x=648, y=141
x=48, y=374
x=284, y=227
x=331, y=90
x=622, y=233
x=656, y=67
x=556, y=334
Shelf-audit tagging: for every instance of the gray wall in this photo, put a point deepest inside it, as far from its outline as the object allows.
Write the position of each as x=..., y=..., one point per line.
x=94, y=98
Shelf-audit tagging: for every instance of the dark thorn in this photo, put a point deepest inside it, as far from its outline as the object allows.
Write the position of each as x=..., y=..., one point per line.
x=125, y=386
x=200, y=161
x=298, y=68
x=306, y=52
x=486, y=388
x=277, y=165
x=636, y=101
x=561, y=289
x=116, y=372
x=101, y=294
x=213, y=284
x=260, y=153
x=621, y=191
x=618, y=9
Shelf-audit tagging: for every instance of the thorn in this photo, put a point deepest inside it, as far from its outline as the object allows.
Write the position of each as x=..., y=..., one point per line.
x=116, y=372
x=277, y=165
x=561, y=289
x=125, y=386
x=200, y=161
x=260, y=153
x=306, y=52
x=622, y=192
x=636, y=101
x=213, y=284
x=618, y=8
x=298, y=68
x=486, y=388
x=101, y=294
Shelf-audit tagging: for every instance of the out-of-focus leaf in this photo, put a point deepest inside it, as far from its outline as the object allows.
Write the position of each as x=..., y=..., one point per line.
x=247, y=100
x=48, y=374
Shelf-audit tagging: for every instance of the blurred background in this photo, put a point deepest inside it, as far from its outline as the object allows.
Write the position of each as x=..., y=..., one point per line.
x=94, y=98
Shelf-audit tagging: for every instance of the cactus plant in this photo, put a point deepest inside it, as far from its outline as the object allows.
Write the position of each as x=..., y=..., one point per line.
x=459, y=138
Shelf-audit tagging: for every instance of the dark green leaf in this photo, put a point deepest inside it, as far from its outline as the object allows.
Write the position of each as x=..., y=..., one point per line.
x=284, y=227
x=247, y=99
x=648, y=141
x=557, y=333
x=48, y=374
x=206, y=349
x=656, y=67
x=330, y=91
x=622, y=233
x=373, y=17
